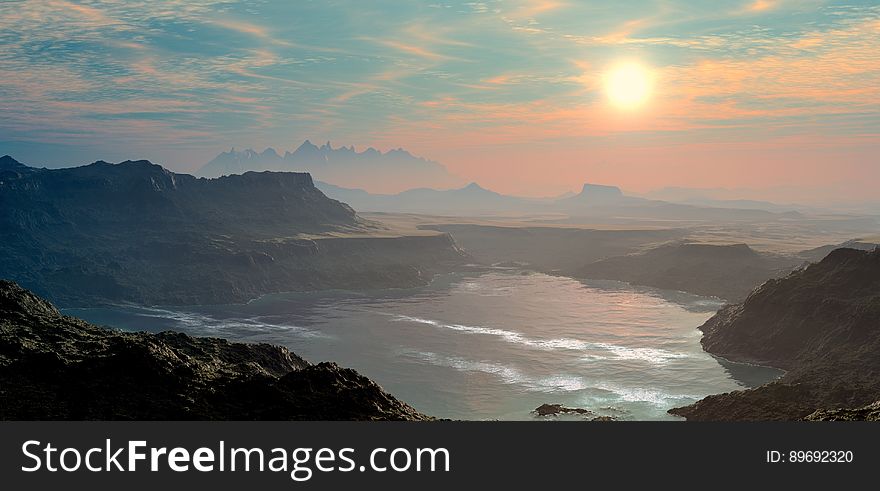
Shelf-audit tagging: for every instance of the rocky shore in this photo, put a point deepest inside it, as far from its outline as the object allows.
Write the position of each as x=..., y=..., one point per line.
x=56, y=367
x=822, y=325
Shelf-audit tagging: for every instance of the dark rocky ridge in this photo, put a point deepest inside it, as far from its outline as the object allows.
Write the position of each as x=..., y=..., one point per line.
x=726, y=271
x=62, y=368
x=136, y=232
x=821, y=324
x=550, y=249
x=871, y=412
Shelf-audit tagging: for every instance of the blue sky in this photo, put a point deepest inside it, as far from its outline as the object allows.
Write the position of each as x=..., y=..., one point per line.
x=508, y=93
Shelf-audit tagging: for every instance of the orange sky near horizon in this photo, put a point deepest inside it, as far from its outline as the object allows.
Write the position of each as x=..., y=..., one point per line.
x=778, y=98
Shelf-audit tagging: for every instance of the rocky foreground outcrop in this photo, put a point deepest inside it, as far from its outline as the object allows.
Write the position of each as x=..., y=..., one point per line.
x=55, y=367
x=871, y=412
x=821, y=324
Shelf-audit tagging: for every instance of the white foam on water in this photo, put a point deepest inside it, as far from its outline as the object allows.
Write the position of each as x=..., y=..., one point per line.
x=651, y=355
x=507, y=374
x=641, y=394
x=196, y=322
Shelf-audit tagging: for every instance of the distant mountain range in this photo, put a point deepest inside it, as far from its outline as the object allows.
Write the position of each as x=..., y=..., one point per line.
x=470, y=199
x=725, y=198
x=390, y=171
x=593, y=201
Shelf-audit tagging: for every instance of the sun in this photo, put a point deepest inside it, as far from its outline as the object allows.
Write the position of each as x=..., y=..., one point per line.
x=628, y=85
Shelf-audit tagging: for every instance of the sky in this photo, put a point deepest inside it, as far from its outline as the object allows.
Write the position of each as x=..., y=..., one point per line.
x=778, y=98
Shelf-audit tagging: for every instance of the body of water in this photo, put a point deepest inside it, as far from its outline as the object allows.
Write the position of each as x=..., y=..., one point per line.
x=488, y=345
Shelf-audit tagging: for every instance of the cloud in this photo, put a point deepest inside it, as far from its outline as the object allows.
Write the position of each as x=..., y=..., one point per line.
x=763, y=5
x=528, y=9
x=202, y=71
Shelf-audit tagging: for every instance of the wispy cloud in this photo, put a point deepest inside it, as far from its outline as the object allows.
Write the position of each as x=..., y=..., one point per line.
x=763, y=5
x=453, y=74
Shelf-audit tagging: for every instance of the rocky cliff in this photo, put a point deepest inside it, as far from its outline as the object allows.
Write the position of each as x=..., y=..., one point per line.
x=136, y=232
x=62, y=368
x=871, y=412
x=821, y=324
x=726, y=271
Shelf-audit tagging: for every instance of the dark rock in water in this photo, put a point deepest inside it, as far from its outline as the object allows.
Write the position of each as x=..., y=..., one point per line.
x=55, y=367
x=821, y=324
x=726, y=271
x=558, y=409
x=604, y=418
x=870, y=412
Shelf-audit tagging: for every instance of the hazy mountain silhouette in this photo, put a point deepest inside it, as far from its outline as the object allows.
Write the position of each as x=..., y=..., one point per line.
x=597, y=193
x=592, y=201
x=725, y=198
x=389, y=171
x=471, y=199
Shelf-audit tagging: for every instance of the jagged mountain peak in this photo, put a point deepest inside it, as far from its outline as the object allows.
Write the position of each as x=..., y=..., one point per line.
x=384, y=172
x=306, y=146
x=476, y=188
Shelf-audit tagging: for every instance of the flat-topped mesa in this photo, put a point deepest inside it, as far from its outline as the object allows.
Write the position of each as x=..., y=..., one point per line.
x=140, y=194
x=136, y=232
x=290, y=179
x=600, y=191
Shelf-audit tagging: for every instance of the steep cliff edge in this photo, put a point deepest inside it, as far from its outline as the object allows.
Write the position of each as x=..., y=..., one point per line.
x=821, y=324
x=726, y=271
x=136, y=232
x=58, y=367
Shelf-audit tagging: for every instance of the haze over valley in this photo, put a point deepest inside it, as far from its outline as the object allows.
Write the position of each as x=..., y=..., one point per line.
x=386, y=291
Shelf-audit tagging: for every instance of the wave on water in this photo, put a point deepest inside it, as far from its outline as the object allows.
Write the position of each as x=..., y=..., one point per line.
x=508, y=374
x=195, y=322
x=651, y=396
x=552, y=384
x=609, y=351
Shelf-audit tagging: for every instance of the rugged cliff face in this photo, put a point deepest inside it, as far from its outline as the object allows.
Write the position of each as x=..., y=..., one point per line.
x=58, y=367
x=871, y=412
x=822, y=324
x=726, y=271
x=137, y=232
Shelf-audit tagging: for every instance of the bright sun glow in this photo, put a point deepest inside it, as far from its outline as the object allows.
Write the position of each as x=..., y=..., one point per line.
x=628, y=85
